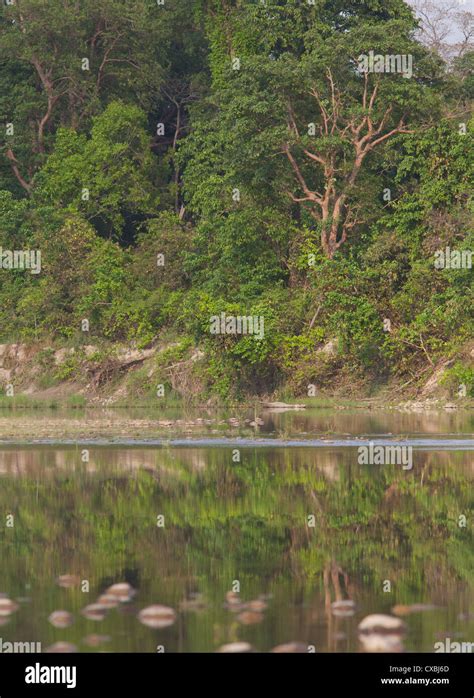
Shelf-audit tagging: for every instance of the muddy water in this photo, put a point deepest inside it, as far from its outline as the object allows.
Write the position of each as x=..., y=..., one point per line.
x=186, y=511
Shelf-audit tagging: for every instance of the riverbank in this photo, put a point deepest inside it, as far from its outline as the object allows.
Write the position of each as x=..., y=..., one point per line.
x=166, y=376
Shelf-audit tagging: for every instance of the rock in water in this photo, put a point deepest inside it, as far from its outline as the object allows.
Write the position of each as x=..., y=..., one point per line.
x=343, y=609
x=61, y=619
x=68, y=581
x=7, y=607
x=250, y=617
x=109, y=600
x=379, y=623
x=257, y=605
x=236, y=648
x=61, y=647
x=381, y=633
x=94, y=611
x=123, y=592
x=374, y=642
x=291, y=648
x=157, y=616
x=401, y=610
x=96, y=640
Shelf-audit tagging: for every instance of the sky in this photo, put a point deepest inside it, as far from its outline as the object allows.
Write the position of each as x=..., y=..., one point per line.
x=456, y=5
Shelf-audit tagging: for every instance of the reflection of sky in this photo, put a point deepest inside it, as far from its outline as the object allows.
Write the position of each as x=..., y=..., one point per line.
x=456, y=6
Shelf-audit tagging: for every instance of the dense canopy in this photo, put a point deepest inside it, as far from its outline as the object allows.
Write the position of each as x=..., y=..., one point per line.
x=177, y=160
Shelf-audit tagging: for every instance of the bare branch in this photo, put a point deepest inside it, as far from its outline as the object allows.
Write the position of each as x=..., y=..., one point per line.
x=14, y=165
x=312, y=196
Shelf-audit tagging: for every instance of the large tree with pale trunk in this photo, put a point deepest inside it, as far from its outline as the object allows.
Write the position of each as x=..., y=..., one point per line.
x=341, y=147
x=300, y=124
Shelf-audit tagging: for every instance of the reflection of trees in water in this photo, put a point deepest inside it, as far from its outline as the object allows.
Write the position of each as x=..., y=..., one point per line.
x=245, y=521
x=409, y=421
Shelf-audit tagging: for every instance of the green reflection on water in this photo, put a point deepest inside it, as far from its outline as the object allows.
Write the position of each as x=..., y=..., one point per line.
x=227, y=521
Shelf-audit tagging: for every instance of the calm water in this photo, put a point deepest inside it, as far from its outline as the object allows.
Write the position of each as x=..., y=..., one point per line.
x=228, y=520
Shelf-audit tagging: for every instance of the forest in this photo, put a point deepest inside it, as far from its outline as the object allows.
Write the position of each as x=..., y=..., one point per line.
x=305, y=163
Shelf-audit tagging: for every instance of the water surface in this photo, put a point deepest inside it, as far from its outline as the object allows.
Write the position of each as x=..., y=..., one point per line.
x=282, y=508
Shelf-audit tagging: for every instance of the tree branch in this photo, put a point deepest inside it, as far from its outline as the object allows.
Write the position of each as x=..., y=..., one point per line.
x=13, y=162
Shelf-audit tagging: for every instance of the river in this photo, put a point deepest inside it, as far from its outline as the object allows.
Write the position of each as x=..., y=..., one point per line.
x=248, y=524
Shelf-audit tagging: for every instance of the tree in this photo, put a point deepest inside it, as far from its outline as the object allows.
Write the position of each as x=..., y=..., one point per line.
x=108, y=177
x=63, y=61
x=445, y=27
x=306, y=101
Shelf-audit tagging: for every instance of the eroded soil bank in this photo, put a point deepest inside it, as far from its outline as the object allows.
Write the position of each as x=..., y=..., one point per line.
x=124, y=376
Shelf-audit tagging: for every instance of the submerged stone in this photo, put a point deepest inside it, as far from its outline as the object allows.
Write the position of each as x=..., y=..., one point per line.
x=236, y=648
x=291, y=648
x=343, y=609
x=402, y=610
x=250, y=617
x=380, y=623
x=68, y=580
x=157, y=616
x=7, y=607
x=61, y=647
x=123, y=592
x=257, y=605
x=94, y=611
x=61, y=619
x=378, y=642
x=109, y=600
x=94, y=640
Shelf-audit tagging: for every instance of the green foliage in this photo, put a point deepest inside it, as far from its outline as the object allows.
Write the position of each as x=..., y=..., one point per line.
x=459, y=375
x=106, y=177
x=158, y=188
